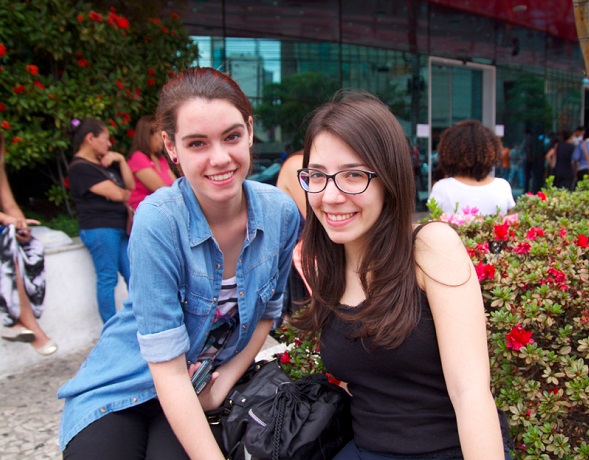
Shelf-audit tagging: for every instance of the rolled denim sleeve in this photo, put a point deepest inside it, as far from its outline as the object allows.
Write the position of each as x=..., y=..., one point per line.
x=156, y=274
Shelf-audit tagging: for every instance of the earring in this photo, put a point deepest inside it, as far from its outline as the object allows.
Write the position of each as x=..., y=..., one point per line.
x=175, y=160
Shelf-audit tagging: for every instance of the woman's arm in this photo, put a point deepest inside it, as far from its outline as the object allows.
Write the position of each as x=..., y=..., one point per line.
x=449, y=280
x=11, y=213
x=288, y=182
x=150, y=179
x=185, y=411
x=126, y=173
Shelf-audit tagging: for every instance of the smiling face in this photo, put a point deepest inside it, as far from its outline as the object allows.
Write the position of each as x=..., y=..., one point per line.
x=346, y=218
x=212, y=144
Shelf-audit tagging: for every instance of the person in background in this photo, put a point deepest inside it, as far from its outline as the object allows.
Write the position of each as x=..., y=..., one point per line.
x=467, y=152
x=581, y=159
x=150, y=167
x=100, y=185
x=394, y=304
x=22, y=278
x=505, y=163
x=560, y=160
x=287, y=181
x=210, y=257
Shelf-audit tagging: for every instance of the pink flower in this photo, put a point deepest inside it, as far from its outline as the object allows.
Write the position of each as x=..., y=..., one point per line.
x=542, y=196
x=485, y=271
x=518, y=338
x=535, y=232
x=563, y=232
x=501, y=232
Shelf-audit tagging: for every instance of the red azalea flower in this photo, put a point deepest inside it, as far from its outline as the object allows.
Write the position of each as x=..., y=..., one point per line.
x=16, y=140
x=126, y=118
x=112, y=9
x=155, y=20
x=285, y=358
x=2, y=50
x=542, y=196
x=556, y=276
x=112, y=123
x=150, y=81
x=332, y=379
x=150, y=72
x=18, y=89
x=39, y=85
x=522, y=248
x=582, y=241
x=501, y=232
x=518, y=338
x=171, y=73
x=122, y=22
x=130, y=132
x=554, y=391
x=174, y=16
x=2, y=107
x=66, y=182
x=82, y=62
x=119, y=84
x=137, y=91
x=164, y=29
x=95, y=16
x=563, y=232
x=112, y=19
x=535, y=232
x=485, y=271
x=32, y=69
x=80, y=18
x=5, y=125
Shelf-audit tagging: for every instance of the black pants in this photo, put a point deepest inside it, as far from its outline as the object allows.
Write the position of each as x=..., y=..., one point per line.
x=140, y=432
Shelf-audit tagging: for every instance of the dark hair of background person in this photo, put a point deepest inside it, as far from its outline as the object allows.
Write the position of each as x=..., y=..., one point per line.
x=564, y=135
x=391, y=309
x=79, y=132
x=197, y=82
x=144, y=129
x=469, y=149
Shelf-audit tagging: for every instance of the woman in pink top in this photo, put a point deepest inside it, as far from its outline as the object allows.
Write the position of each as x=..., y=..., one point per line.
x=149, y=166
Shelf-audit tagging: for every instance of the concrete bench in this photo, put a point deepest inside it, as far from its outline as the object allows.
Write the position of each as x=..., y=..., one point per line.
x=71, y=314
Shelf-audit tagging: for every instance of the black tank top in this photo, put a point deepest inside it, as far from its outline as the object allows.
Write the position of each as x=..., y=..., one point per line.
x=400, y=403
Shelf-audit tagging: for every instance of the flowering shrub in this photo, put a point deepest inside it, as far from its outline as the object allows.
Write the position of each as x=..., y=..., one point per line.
x=61, y=60
x=533, y=267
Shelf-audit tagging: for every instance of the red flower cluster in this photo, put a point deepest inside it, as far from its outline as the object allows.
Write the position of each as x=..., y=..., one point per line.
x=119, y=21
x=542, y=196
x=534, y=232
x=501, y=232
x=285, y=358
x=522, y=248
x=32, y=69
x=80, y=18
x=131, y=133
x=112, y=122
x=2, y=50
x=96, y=17
x=2, y=107
x=17, y=139
x=5, y=125
x=582, y=241
x=174, y=16
x=39, y=85
x=82, y=63
x=150, y=72
x=479, y=250
x=150, y=81
x=518, y=338
x=557, y=277
x=18, y=89
x=485, y=271
x=125, y=117
x=119, y=84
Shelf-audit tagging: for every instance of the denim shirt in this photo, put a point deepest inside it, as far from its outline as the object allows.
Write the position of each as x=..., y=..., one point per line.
x=176, y=274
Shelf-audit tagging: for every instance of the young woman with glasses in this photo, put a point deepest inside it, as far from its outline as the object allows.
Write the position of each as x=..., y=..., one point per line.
x=210, y=257
x=398, y=307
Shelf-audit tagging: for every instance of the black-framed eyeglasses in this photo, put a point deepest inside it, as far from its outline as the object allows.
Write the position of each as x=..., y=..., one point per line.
x=350, y=181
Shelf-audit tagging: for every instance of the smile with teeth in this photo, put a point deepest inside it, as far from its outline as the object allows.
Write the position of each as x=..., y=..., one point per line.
x=220, y=177
x=339, y=217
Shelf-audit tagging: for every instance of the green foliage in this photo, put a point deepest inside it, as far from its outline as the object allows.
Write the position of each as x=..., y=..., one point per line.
x=62, y=60
x=302, y=357
x=286, y=104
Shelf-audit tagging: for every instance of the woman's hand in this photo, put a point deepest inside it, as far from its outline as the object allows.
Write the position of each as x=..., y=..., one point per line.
x=110, y=158
x=209, y=398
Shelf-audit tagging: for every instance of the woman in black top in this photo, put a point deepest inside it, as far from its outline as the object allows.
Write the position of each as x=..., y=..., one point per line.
x=399, y=309
x=100, y=184
x=560, y=157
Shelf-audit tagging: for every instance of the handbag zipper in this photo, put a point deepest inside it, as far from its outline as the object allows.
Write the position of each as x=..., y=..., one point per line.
x=256, y=418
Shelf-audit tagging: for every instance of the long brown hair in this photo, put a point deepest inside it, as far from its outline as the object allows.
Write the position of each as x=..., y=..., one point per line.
x=142, y=138
x=387, y=269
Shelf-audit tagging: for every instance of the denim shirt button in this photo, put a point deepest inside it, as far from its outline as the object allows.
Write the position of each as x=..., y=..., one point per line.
x=214, y=299
x=236, y=351
x=241, y=293
x=244, y=326
x=103, y=410
x=239, y=260
x=135, y=399
x=218, y=266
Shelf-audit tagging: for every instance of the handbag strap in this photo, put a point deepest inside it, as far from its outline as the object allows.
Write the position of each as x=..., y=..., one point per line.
x=278, y=429
x=76, y=161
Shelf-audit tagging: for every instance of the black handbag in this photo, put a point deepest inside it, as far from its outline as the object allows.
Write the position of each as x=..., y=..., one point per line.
x=274, y=418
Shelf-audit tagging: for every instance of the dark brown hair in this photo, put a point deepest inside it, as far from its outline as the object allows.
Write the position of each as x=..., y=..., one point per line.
x=197, y=82
x=78, y=130
x=387, y=269
x=142, y=137
x=469, y=149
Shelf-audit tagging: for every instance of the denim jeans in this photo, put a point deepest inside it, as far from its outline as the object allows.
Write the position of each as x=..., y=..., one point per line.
x=108, y=248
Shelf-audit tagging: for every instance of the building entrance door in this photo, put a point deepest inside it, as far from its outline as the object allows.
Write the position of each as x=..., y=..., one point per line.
x=457, y=91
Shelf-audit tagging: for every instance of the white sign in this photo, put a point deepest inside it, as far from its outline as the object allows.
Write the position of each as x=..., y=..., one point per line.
x=423, y=131
x=500, y=130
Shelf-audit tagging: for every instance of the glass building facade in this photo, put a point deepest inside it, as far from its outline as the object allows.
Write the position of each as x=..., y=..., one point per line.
x=511, y=64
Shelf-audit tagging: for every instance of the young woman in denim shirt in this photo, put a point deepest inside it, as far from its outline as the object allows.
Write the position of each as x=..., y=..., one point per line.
x=209, y=261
